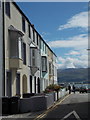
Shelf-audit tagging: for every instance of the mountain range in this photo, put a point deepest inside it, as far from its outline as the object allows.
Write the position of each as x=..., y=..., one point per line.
x=72, y=75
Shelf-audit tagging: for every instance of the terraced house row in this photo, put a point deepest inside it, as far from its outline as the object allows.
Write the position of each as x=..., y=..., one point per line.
x=27, y=64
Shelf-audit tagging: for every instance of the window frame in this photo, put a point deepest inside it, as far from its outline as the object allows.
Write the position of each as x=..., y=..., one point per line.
x=29, y=31
x=44, y=64
x=24, y=53
x=7, y=9
x=37, y=39
x=33, y=35
x=23, y=24
x=20, y=47
x=33, y=56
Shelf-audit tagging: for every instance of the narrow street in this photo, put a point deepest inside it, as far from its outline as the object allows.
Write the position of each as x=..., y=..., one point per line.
x=76, y=107
x=72, y=107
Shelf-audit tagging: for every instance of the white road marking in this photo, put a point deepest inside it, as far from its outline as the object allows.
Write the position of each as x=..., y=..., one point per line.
x=73, y=112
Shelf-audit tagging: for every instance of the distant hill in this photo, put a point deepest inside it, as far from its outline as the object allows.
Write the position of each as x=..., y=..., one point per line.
x=72, y=75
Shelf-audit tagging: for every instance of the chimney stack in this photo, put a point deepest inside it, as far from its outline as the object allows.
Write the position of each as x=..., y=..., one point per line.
x=33, y=25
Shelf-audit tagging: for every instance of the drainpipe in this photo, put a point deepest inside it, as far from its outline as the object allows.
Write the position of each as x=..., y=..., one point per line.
x=3, y=78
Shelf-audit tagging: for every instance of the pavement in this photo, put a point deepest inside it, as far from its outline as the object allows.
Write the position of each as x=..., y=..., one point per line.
x=32, y=115
x=74, y=106
x=24, y=115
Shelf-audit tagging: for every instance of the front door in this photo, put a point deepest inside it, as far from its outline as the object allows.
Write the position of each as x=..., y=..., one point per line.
x=30, y=84
x=38, y=80
x=9, y=84
x=24, y=86
x=18, y=83
x=35, y=84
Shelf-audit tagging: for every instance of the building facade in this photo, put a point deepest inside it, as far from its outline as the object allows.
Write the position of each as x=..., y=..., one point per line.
x=26, y=54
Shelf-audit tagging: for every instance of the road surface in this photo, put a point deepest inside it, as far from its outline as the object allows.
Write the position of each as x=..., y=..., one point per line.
x=76, y=107
x=73, y=107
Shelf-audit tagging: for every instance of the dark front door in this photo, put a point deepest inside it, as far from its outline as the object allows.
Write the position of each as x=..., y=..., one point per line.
x=38, y=80
x=35, y=84
x=9, y=84
x=30, y=83
x=18, y=83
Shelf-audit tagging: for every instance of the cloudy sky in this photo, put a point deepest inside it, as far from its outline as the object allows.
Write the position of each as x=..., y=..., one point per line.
x=64, y=26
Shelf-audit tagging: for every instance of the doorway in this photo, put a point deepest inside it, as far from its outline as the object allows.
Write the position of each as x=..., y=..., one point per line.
x=18, y=83
x=38, y=81
x=24, y=84
x=8, y=84
x=30, y=84
x=35, y=84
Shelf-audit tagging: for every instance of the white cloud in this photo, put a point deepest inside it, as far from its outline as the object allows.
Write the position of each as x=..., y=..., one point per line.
x=44, y=34
x=80, y=41
x=70, y=62
x=78, y=56
x=60, y=59
x=80, y=61
x=73, y=53
x=77, y=21
x=83, y=53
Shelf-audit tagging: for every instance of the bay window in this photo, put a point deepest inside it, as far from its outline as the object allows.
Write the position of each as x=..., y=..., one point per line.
x=20, y=48
x=44, y=64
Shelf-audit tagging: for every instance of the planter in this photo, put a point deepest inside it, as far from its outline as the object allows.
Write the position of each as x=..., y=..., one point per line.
x=49, y=100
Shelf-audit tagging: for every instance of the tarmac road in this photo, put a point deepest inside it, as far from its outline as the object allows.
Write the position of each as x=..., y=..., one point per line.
x=75, y=107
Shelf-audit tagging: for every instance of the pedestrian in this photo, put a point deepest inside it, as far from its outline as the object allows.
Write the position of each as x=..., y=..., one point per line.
x=69, y=88
x=73, y=88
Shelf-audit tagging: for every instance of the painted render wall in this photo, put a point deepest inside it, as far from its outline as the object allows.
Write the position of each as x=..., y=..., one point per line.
x=50, y=60
x=44, y=76
x=55, y=69
x=16, y=21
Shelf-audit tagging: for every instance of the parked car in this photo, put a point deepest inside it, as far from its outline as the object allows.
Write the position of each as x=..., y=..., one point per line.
x=76, y=89
x=83, y=90
x=88, y=89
